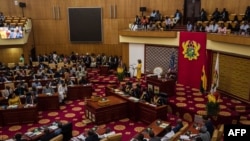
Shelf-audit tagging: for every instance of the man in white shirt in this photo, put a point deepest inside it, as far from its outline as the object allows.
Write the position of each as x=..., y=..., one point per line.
x=6, y=92
x=62, y=90
x=170, y=133
x=213, y=28
x=107, y=133
x=244, y=27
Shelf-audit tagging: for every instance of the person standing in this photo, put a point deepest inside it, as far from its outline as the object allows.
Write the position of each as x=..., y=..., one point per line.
x=138, y=68
x=21, y=59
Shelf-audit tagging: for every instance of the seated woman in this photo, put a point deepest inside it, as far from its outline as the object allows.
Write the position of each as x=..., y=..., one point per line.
x=157, y=100
x=222, y=29
x=14, y=100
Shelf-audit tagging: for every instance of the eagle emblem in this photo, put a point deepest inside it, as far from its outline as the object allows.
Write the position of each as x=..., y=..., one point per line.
x=191, y=50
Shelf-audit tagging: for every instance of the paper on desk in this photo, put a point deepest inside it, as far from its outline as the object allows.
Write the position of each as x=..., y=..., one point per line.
x=164, y=125
x=184, y=137
x=53, y=127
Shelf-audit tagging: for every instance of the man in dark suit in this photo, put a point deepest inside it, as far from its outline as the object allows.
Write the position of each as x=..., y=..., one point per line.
x=92, y=136
x=153, y=137
x=47, y=135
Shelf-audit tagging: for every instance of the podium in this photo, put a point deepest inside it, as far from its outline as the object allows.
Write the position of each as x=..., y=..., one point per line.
x=161, y=85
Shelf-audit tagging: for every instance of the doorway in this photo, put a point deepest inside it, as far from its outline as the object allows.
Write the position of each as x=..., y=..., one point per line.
x=191, y=10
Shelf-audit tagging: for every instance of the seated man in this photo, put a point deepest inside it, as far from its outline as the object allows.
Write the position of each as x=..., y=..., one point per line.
x=48, y=89
x=153, y=137
x=146, y=96
x=6, y=92
x=169, y=134
x=177, y=16
x=91, y=136
x=136, y=90
x=47, y=135
x=178, y=126
x=107, y=133
x=157, y=100
x=209, y=125
x=36, y=84
x=204, y=134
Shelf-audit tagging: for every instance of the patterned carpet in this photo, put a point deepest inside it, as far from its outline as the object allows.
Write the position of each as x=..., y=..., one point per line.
x=188, y=100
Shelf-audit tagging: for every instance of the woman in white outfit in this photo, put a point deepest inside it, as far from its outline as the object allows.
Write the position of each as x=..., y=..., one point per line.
x=62, y=91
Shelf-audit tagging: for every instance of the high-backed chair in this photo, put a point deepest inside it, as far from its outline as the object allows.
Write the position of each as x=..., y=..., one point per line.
x=57, y=138
x=221, y=131
x=215, y=135
x=67, y=131
x=115, y=137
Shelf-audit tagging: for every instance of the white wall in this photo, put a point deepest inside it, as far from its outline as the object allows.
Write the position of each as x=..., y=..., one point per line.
x=136, y=51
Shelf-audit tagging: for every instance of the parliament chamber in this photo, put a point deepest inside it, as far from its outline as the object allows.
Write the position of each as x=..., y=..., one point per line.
x=48, y=32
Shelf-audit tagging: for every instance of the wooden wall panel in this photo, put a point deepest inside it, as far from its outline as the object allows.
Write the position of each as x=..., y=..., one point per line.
x=111, y=31
x=233, y=6
x=234, y=76
x=10, y=55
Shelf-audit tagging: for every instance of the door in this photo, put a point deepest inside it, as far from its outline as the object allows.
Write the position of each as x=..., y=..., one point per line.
x=191, y=10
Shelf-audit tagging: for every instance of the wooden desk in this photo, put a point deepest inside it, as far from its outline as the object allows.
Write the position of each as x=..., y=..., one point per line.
x=41, y=130
x=12, y=116
x=117, y=109
x=79, y=92
x=158, y=129
x=163, y=85
x=142, y=111
x=45, y=102
x=148, y=113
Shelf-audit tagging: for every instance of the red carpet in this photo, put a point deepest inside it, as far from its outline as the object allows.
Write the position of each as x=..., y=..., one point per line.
x=187, y=100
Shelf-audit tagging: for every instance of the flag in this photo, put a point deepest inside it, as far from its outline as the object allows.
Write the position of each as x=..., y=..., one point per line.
x=191, y=58
x=203, y=86
x=215, y=80
x=172, y=62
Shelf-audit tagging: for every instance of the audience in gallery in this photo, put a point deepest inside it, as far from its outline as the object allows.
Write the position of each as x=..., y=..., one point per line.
x=247, y=14
x=216, y=15
x=177, y=16
x=152, y=15
x=203, y=15
x=222, y=29
x=189, y=26
x=169, y=23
